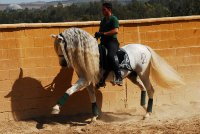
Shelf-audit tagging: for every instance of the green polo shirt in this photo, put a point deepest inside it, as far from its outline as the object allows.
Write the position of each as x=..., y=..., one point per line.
x=107, y=25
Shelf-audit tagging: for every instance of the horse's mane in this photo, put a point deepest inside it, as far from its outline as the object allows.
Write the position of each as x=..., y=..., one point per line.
x=83, y=53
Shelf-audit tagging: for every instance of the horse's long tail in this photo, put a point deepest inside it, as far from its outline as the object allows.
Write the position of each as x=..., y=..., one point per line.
x=162, y=73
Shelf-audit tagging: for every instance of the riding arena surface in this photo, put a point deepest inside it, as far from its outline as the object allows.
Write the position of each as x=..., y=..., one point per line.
x=166, y=119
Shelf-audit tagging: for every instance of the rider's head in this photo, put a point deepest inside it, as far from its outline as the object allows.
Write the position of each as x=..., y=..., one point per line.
x=107, y=9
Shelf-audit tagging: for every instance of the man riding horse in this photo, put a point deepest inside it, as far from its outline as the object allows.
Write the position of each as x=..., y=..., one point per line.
x=81, y=52
x=108, y=31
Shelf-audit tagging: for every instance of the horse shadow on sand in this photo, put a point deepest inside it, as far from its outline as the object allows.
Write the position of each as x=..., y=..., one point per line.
x=30, y=100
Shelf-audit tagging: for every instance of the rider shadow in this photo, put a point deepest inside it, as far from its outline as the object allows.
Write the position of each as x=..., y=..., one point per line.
x=30, y=100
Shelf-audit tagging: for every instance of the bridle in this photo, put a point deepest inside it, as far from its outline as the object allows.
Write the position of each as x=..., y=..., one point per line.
x=63, y=46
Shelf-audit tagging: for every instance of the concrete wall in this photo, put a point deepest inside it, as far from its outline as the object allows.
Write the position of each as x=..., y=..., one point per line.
x=32, y=90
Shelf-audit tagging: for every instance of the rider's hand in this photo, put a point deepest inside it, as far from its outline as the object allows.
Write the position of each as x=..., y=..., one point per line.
x=98, y=35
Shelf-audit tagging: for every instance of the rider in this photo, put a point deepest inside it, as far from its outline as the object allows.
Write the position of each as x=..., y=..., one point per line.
x=108, y=31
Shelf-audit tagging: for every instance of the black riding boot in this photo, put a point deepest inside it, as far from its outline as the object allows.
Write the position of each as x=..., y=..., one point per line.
x=118, y=80
x=103, y=79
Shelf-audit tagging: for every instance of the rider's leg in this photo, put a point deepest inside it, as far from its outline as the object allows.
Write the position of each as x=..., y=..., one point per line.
x=103, y=79
x=113, y=47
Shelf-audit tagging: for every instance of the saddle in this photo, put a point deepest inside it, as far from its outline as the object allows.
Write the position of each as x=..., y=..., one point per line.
x=124, y=62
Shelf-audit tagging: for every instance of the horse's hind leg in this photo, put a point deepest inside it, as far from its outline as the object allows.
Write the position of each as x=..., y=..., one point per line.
x=150, y=91
x=133, y=78
x=92, y=95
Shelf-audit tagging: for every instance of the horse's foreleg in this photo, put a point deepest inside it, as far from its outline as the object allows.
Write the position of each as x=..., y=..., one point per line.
x=92, y=95
x=81, y=83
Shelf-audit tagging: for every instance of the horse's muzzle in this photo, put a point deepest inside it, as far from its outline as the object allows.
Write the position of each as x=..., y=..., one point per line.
x=62, y=61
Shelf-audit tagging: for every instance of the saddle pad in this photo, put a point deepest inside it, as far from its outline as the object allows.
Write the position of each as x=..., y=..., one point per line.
x=125, y=63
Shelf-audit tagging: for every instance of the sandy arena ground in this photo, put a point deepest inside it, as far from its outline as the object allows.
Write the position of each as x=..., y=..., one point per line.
x=166, y=119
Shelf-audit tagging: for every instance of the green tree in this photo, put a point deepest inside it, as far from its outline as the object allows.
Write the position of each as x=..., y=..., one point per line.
x=92, y=11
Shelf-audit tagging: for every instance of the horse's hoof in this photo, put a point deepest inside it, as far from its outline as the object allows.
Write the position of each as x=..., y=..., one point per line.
x=146, y=116
x=55, y=110
x=94, y=118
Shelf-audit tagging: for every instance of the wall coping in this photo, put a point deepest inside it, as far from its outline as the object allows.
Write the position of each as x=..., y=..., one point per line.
x=89, y=23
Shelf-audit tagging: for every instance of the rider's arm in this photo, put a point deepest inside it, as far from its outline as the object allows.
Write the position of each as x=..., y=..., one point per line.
x=114, y=27
x=111, y=32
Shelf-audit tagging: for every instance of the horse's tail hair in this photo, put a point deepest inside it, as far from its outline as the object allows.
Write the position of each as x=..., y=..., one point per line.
x=162, y=73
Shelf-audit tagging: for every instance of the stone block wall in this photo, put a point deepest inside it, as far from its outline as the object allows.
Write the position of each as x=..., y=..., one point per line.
x=31, y=79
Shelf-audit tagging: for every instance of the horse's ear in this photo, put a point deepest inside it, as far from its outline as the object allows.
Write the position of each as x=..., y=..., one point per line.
x=53, y=36
x=60, y=38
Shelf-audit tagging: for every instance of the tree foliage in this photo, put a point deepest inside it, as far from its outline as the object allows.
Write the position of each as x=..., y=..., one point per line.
x=92, y=11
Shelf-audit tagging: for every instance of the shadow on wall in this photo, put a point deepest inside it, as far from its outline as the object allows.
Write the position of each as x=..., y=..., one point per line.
x=30, y=99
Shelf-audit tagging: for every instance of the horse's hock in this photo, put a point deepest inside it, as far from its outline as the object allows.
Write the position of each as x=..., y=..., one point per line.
x=31, y=80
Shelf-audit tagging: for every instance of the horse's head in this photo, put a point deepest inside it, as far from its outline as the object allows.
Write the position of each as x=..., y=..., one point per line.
x=78, y=49
x=59, y=41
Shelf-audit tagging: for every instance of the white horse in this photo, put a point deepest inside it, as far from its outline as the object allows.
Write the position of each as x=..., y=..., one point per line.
x=80, y=50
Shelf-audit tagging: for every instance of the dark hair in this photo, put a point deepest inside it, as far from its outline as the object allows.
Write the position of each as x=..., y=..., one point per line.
x=107, y=5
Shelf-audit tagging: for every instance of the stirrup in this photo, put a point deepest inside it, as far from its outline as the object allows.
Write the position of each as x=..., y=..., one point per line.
x=118, y=82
